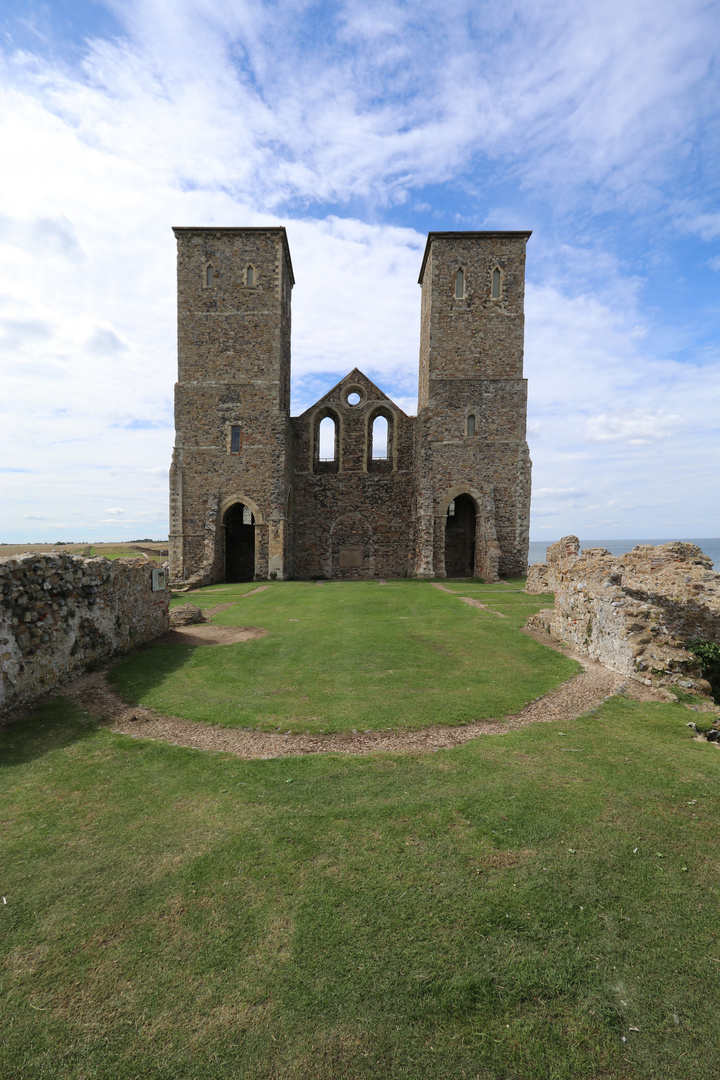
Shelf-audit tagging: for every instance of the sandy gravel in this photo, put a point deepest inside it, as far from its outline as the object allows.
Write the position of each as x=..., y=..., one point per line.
x=206, y=634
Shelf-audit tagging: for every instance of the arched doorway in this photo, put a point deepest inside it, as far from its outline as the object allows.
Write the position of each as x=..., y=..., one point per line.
x=460, y=537
x=239, y=543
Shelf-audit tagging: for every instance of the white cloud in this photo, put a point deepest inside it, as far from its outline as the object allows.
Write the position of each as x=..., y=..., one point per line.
x=636, y=428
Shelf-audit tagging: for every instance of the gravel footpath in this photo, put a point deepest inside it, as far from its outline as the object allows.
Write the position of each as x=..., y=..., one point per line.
x=578, y=695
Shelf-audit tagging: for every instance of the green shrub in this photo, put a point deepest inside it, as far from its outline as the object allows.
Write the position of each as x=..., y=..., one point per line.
x=708, y=653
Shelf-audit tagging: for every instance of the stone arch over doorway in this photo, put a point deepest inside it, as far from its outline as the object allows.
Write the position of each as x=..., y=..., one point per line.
x=472, y=538
x=239, y=518
x=460, y=532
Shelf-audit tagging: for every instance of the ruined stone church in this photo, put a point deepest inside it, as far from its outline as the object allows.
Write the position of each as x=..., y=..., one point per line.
x=253, y=494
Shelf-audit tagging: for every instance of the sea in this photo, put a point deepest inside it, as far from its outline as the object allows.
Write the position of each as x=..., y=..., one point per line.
x=710, y=547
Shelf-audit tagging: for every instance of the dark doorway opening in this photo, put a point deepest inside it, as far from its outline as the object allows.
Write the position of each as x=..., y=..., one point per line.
x=460, y=538
x=239, y=543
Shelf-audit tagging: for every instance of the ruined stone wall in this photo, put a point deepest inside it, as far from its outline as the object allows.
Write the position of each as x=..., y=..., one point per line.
x=633, y=612
x=60, y=612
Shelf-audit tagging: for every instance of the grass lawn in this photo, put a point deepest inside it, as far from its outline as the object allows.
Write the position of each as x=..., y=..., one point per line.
x=357, y=655
x=505, y=910
x=125, y=553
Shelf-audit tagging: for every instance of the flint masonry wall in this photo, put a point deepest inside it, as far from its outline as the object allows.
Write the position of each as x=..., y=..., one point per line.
x=471, y=363
x=234, y=312
x=633, y=612
x=352, y=517
x=60, y=612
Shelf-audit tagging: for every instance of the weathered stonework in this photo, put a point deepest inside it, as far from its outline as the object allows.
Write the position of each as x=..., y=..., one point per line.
x=60, y=612
x=250, y=495
x=634, y=612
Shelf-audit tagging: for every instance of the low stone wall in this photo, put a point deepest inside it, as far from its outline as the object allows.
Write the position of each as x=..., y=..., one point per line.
x=634, y=612
x=60, y=612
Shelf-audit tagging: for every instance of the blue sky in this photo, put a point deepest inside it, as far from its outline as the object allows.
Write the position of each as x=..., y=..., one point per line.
x=360, y=126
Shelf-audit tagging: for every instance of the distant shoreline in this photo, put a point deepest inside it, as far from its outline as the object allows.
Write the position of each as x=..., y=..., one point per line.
x=709, y=545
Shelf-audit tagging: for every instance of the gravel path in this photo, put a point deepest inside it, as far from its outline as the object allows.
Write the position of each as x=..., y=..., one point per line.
x=579, y=695
x=583, y=692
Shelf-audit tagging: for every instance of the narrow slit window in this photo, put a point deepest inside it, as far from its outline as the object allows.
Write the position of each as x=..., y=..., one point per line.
x=459, y=284
x=235, y=439
x=471, y=424
x=380, y=439
x=496, y=284
x=209, y=277
x=250, y=276
x=326, y=439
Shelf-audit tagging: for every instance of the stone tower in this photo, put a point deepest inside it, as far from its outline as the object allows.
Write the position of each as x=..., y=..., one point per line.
x=231, y=473
x=255, y=493
x=472, y=464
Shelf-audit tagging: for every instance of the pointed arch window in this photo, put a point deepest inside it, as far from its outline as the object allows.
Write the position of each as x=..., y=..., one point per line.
x=470, y=425
x=459, y=283
x=496, y=284
x=326, y=439
x=326, y=443
x=379, y=439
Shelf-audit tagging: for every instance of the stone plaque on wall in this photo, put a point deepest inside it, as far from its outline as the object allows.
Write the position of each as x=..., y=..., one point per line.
x=350, y=557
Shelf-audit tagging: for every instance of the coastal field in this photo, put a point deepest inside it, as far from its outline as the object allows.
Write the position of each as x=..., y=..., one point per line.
x=152, y=548
x=537, y=904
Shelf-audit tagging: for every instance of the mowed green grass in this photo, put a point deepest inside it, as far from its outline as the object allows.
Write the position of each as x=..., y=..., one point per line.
x=358, y=655
x=513, y=909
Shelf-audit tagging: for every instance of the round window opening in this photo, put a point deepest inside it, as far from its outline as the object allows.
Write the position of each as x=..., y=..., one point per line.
x=353, y=398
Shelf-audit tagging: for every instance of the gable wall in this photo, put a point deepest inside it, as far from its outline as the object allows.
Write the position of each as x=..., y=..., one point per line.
x=363, y=505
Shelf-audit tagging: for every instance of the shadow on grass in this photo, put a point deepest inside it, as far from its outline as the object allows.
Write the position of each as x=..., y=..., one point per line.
x=51, y=725
x=152, y=665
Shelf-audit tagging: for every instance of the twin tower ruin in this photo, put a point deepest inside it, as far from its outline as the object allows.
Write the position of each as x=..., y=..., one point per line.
x=254, y=494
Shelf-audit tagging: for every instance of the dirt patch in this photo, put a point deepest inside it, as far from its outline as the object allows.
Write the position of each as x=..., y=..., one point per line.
x=468, y=600
x=204, y=634
x=479, y=604
x=209, y=612
x=254, y=592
